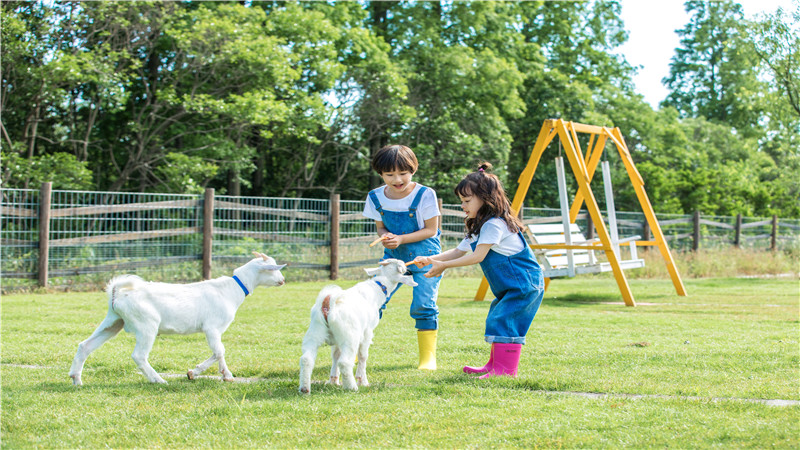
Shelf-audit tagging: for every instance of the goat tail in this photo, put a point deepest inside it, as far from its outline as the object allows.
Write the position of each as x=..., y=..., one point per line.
x=120, y=284
x=326, y=300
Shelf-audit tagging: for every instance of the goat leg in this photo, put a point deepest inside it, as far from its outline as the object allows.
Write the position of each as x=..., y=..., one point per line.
x=361, y=368
x=144, y=343
x=109, y=328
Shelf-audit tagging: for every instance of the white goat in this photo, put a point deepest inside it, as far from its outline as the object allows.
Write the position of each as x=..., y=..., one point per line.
x=346, y=319
x=148, y=309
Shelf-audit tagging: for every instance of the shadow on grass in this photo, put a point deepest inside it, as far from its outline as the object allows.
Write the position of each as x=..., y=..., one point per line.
x=263, y=389
x=461, y=379
x=568, y=300
x=577, y=300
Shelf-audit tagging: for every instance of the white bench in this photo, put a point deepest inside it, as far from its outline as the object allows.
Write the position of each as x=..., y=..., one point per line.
x=570, y=262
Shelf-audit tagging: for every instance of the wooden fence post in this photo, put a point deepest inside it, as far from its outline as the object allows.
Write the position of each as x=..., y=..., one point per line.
x=645, y=233
x=44, y=231
x=696, y=233
x=208, y=231
x=774, y=238
x=737, y=231
x=334, y=214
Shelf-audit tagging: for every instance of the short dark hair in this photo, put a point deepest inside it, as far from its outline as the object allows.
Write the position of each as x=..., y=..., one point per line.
x=394, y=157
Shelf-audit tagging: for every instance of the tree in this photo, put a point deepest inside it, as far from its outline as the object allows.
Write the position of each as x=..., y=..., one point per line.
x=461, y=84
x=48, y=82
x=714, y=74
x=776, y=39
x=292, y=98
x=358, y=97
x=571, y=72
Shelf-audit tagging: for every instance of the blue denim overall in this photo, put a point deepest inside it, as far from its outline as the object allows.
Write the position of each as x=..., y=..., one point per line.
x=518, y=286
x=423, y=302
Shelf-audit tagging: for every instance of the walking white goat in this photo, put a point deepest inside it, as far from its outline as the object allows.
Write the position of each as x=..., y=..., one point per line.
x=346, y=319
x=148, y=309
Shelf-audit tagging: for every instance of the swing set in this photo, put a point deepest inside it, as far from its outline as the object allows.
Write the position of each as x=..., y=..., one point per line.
x=561, y=248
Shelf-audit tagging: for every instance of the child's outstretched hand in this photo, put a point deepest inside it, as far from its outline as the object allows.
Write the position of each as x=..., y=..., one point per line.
x=421, y=261
x=392, y=241
x=436, y=269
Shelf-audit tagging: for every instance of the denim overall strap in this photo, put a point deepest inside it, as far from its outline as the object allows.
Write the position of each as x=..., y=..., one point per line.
x=415, y=203
x=375, y=201
x=517, y=283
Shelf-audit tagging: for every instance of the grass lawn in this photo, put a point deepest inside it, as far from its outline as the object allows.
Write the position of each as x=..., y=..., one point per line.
x=680, y=372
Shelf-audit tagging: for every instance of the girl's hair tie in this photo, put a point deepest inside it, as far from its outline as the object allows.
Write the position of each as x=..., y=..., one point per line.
x=480, y=169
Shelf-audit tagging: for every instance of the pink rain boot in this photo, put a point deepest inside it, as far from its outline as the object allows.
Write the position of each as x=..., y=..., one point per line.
x=484, y=369
x=506, y=360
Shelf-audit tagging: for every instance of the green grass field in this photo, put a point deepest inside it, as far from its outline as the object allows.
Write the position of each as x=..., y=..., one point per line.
x=678, y=372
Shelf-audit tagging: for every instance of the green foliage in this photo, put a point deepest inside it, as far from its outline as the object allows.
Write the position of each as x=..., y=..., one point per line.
x=291, y=99
x=776, y=40
x=714, y=73
x=185, y=174
x=62, y=169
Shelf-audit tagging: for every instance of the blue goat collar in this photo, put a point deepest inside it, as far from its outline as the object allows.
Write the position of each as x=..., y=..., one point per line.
x=241, y=285
x=383, y=288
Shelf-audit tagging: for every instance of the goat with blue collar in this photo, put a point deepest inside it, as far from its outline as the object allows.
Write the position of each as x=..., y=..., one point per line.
x=147, y=309
x=346, y=320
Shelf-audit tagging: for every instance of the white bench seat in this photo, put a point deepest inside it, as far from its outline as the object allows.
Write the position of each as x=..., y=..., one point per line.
x=556, y=262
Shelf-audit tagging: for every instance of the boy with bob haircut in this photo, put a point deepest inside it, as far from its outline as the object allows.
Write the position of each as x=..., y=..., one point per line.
x=406, y=216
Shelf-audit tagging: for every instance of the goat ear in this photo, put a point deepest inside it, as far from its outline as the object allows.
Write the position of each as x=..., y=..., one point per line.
x=372, y=271
x=408, y=280
x=385, y=262
x=274, y=267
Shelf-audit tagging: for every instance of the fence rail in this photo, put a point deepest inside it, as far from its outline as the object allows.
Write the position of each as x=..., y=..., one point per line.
x=55, y=237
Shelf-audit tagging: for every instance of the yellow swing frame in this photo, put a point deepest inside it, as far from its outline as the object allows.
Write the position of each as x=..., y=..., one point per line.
x=583, y=167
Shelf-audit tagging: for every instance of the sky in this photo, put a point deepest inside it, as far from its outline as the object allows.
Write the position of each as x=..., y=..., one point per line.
x=652, y=38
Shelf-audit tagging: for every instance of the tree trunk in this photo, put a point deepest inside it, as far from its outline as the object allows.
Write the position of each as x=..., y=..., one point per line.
x=84, y=153
x=379, y=15
x=234, y=184
x=34, y=127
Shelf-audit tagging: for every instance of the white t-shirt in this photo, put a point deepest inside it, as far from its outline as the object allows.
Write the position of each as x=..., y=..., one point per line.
x=495, y=232
x=428, y=207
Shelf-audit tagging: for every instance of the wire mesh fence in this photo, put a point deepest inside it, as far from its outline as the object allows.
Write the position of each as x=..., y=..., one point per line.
x=96, y=235
x=19, y=225
x=288, y=229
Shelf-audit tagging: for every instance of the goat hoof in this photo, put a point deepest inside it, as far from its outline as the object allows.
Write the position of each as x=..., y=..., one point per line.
x=190, y=375
x=231, y=379
x=305, y=390
x=76, y=380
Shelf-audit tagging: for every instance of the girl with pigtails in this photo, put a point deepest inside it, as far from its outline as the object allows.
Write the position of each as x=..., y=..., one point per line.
x=494, y=240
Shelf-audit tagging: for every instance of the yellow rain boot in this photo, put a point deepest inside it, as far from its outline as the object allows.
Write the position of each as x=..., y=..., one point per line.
x=427, y=349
